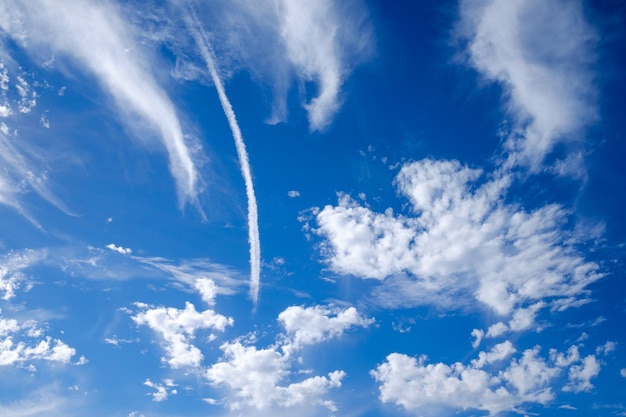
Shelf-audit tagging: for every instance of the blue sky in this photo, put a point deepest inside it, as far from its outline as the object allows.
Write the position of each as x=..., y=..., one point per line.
x=278, y=207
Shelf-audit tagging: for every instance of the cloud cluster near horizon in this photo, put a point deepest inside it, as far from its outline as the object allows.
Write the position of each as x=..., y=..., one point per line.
x=484, y=384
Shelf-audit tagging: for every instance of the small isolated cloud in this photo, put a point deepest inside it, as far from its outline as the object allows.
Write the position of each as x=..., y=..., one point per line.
x=478, y=335
x=622, y=372
x=293, y=193
x=461, y=244
x=119, y=249
x=162, y=391
x=542, y=53
x=427, y=389
x=607, y=348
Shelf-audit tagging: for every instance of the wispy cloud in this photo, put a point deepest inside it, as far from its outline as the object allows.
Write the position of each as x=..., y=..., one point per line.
x=541, y=52
x=206, y=51
x=95, y=35
x=316, y=43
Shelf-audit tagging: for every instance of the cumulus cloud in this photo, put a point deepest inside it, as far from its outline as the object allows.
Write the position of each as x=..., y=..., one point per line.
x=24, y=341
x=162, y=391
x=305, y=326
x=462, y=243
x=541, y=52
x=119, y=249
x=261, y=378
x=178, y=328
x=95, y=35
x=254, y=376
x=418, y=386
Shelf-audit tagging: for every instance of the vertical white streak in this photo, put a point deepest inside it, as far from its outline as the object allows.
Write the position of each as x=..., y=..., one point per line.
x=253, y=217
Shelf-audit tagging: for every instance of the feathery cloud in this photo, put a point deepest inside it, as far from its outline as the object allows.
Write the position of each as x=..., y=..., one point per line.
x=541, y=52
x=95, y=35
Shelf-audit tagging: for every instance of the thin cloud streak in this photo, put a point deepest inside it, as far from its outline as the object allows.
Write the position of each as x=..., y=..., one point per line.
x=98, y=38
x=201, y=40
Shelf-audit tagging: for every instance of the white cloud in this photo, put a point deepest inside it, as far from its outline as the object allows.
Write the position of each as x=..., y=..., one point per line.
x=541, y=52
x=305, y=326
x=607, y=348
x=497, y=353
x=11, y=266
x=24, y=341
x=207, y=289
x=478, y=335
x=262, y=378
x=202, y=42
x=580, y=375
x=119, y=249
x=96, y=36
x=462, y=243
x=317, y=41
x=430, y=388
x=293, y=193
x=178, y=327
x=163, y=391
x=622, y=372
x=254, y=375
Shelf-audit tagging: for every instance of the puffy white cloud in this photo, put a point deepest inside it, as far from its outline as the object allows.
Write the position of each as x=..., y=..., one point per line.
x=580, y=375
x=541, y=52
x=478, y=335
x=262, y=379
x=622, y=372
x=207, y=289
x=119, y=249
x=463, y=242
x=429, y=388
x=315, y=324
x=255, y=375
x=178, y=327
x=25, y=341
x=96, y=36
x=497, y=353
x=163, y=391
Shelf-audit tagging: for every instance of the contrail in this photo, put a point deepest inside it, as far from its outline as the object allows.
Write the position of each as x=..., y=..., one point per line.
x=200, y=38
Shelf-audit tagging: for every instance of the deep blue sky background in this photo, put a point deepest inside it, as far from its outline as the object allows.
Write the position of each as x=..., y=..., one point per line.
x=421, y=253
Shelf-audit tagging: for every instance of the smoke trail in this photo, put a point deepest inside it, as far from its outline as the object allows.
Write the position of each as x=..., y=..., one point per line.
x=201, y=40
